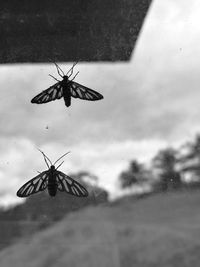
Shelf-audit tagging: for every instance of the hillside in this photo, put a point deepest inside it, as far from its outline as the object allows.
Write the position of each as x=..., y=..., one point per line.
x=40, y=211
x=159, y=230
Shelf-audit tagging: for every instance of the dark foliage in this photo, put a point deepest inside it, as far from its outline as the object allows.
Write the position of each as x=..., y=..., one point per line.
x=190, y=161
x=165, y=162
x=133, y=175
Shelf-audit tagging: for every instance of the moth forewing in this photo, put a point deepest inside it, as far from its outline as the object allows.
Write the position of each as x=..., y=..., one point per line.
x=35, y=185
x=66, y=183
x=66, y=88
x=52, y=179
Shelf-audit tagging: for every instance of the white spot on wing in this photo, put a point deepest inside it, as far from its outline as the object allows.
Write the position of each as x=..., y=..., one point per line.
x=69, y=180
x=60, y=94
x=77, y=193
x=29, y=190
x=54, y=94
x=73, y=190
x=65, y=185
x=80, y=188
x=73, y=93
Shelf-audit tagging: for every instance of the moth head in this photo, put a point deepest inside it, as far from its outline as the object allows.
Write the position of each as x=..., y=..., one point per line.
x=65, y=78
x=52, y=167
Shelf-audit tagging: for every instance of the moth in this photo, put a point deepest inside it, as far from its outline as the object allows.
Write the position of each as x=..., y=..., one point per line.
x=66, y=88
x=53, y=180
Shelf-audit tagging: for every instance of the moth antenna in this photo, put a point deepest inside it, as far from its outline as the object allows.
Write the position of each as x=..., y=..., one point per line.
x=71, y=69
x=45, y=161
x=75, y=76
x=59, y=70
x=45, y=158
x=54, y=78
x=60, y=164
x=61, y=157
x=57, y=67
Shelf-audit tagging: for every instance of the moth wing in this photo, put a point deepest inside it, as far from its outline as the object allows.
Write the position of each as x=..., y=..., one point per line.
x=38, y=183
x=66, y=183
x=79, y=91
x=52, y=93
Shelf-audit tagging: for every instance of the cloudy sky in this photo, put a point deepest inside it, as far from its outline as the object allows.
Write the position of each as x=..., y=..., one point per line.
x=149, y=103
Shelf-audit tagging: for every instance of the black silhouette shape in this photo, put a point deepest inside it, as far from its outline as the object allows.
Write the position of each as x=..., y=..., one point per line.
x=66, y=89
x=52, y=179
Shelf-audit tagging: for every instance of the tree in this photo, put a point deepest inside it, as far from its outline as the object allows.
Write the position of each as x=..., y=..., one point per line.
x=165, y=162
x=134, y=174
x=190, y=160
x=97, y=193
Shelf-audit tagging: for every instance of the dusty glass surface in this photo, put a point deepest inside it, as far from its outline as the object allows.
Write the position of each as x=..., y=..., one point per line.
x=136, y=151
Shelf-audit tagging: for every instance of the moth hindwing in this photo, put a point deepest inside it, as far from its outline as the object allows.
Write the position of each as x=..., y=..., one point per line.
x=66, y=88
x=53, y=180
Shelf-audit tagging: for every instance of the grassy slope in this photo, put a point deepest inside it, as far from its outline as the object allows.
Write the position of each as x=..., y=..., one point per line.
x=157, y=231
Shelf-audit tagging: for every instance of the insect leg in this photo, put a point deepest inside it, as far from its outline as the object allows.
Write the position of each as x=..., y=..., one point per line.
x=59, y=70
x=75, y=76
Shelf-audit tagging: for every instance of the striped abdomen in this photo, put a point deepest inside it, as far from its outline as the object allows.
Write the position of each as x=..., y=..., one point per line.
x=52, y=184
x=66, y=93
